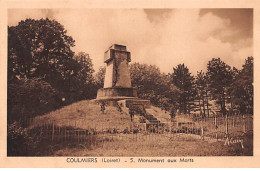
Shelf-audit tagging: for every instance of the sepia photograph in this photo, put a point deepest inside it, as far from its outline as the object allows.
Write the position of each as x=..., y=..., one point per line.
x=138, y=82
x=129, y=84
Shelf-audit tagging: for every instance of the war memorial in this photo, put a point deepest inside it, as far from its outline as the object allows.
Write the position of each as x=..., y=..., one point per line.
x=118, y=89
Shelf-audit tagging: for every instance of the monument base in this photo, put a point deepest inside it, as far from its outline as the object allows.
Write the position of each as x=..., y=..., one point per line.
x=129, y=102
x=116, y=93
x=125, y=97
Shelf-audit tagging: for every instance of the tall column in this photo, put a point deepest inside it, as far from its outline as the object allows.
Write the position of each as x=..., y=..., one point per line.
x=117, y=72
x=117, y=83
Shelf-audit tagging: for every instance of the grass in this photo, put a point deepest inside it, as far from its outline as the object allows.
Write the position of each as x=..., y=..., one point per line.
x=157, y=146
x=86, y=114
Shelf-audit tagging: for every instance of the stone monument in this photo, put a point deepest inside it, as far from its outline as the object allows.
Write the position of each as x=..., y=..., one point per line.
x=118, y=90
x=117, y=84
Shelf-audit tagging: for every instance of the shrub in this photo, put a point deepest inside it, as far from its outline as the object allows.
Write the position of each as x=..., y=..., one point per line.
x=30, y=97
x=19, y=142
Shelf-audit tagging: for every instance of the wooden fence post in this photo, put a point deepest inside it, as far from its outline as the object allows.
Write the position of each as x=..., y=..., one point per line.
x=157, y=127
x=202, y=130
x=65, y=133
x=132, y=129
x=227, y=127
x=77, y=134
x=91, y=136
x=102, y=135
x=59, y=134
x=95, y=136
x=44, y=129
x=192, y=127
x=216, y=126
x=233, y=119
x=244, y=123
x=52, y=137
x=41, y=134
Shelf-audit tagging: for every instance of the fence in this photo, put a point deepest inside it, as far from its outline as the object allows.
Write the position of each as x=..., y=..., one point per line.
x=182, y=128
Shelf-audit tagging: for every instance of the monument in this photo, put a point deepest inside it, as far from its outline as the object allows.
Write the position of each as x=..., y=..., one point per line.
x=118, y=90
x=117, y=83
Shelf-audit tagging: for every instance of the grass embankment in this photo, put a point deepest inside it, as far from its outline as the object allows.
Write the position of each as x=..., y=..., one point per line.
x=86, y=114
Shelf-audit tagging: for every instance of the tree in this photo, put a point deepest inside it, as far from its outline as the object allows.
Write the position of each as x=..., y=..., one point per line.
x=151, y=84
x=86, y=67
x=42, y=49
x=220, y=77
x=39, y=48
x=146, y=79
x=100, y=77
x=202, y=93
x=30, y=97
x=241, y=89
x=169, y=93
x=184, y=81
x=82, y=79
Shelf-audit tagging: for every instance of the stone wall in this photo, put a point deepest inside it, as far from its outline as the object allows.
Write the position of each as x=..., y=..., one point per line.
x=116, y=92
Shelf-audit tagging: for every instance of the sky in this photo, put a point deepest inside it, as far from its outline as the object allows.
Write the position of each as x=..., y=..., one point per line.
x=161, y=37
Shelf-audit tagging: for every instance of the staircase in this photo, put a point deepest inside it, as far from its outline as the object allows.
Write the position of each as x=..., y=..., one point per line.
x=151, y=118
x=154, y=124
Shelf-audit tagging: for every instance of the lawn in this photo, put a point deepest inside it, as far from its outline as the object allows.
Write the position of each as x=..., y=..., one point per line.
x=86, y=114
x=152, y=146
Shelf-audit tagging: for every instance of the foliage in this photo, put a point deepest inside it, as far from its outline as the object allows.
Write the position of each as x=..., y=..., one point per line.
x=100, y=77
x=220, y=77
x=152, y=84
x=85, y=70
x=81, y=82
x=242, y=88
x=19, y=142
x=39, y=48
x=42, y=69
x=31, y=97
x=202, y=93
x=184, y=81
x=173, y=112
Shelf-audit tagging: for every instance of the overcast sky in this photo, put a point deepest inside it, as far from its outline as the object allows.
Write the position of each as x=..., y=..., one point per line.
x=164, y=37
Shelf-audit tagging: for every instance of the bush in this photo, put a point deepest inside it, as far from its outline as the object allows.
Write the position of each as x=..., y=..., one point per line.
x=31, y=97
x=19, y=142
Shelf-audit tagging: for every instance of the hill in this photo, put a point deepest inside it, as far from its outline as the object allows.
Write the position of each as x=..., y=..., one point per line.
x=86, y=114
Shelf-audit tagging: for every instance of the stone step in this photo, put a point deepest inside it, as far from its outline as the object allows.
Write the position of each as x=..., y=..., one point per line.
x=151, y=118
x=154, y=122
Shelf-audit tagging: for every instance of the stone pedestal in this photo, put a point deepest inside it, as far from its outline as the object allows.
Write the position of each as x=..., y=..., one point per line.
x=116, y=93
x=130, y=102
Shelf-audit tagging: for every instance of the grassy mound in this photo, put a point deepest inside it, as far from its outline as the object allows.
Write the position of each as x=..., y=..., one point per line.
x=86, y=114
